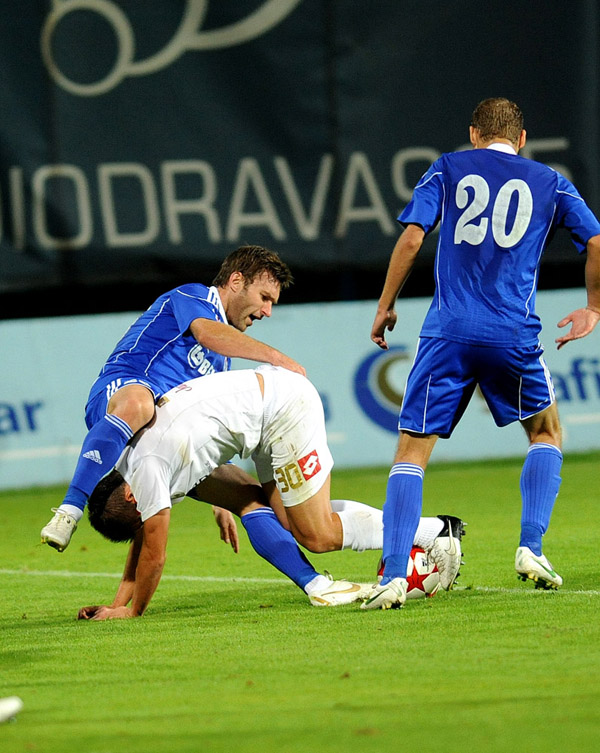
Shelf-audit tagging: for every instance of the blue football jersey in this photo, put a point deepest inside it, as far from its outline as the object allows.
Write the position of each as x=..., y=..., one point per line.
x=159, y=347
x=497, y=212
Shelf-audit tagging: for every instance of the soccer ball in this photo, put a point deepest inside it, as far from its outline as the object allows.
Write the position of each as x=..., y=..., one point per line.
x=422, y=575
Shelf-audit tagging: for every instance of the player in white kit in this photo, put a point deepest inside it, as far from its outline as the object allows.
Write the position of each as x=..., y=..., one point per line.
x=270, y=414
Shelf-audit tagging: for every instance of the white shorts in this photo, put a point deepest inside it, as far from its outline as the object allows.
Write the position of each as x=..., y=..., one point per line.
x=293, y=451
x=207, y=421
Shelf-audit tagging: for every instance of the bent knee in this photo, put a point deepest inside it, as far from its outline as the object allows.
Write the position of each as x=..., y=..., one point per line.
x=544, y=427
x=135, y=411
x=548, y=433
x=318, y=542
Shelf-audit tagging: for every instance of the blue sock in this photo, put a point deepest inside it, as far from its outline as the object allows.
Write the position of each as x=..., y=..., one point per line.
x=401, y=514
x=277, y=545
x=540, y=481
x=101, y=449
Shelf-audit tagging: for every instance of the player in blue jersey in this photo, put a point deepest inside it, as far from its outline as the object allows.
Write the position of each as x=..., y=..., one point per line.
x=188, y=332
x=497, y=212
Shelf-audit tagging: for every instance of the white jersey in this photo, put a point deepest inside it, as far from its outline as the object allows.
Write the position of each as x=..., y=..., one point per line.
x=205, y=422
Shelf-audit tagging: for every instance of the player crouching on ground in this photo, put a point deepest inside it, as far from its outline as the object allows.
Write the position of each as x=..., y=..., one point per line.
x=200, y=426
x=270, y=414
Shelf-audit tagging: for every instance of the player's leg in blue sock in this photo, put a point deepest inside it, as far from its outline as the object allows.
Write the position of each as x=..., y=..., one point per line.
x=101, y=449
x=401, y=513
x=540, y=481
x=277, y=545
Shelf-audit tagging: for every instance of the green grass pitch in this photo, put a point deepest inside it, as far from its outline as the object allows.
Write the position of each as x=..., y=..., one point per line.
x=231, y=657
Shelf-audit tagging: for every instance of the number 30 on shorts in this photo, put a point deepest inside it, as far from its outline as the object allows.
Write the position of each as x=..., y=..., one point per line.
x=288, y=477
x=294, y=474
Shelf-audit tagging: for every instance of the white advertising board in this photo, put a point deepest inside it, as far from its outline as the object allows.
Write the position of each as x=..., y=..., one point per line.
x=48, y=365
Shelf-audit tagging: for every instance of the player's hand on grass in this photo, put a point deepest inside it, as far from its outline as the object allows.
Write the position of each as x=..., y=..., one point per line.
x=103, y=612
x=582, y=323
x=87, y=613
x=112, y=613
x=227, y=527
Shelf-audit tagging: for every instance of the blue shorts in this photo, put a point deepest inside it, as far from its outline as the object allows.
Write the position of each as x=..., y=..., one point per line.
x=515, y=383
x=104, y=388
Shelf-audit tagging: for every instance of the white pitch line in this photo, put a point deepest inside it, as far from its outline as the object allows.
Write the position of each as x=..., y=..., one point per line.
x=524, y=590
x=276, y=581
x=39, y=452
x=193, y=578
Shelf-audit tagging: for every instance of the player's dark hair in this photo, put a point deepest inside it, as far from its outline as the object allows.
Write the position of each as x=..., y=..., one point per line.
x=252, y=261
x=498, y=118
x=110, y=513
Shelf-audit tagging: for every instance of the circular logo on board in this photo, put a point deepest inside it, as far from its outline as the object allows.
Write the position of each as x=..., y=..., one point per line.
x=379, y=383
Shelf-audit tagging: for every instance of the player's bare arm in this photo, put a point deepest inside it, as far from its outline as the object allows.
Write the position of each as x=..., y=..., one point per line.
x=584, y=320
x=227, y=527
x=149, y=569
x=228, y=341
x=401, y=263
x=126, y=586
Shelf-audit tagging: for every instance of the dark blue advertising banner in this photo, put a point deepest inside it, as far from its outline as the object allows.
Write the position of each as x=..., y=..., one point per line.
x=139, y=138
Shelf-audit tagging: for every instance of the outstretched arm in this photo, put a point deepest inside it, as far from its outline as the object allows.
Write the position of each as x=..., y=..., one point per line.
x=583, y=321
x=126, y=586
x=230, y=342
x=143, y=571
x=401, y=263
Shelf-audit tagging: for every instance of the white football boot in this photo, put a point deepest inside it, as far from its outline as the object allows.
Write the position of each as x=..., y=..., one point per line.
x=390, y=596
x=10, y=707
x=446, y=551
x=59, y=530
x=339, y=592
x=530, y=566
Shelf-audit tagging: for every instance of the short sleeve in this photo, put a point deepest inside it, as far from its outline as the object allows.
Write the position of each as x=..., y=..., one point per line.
x=187, y=307
x=425, y=207
x=574, y=215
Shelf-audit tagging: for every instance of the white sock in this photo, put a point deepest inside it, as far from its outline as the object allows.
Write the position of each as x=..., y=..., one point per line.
x=74, y=512
x=427, y=531
x=339, y=505
x=318, y=583
x=362, y=525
